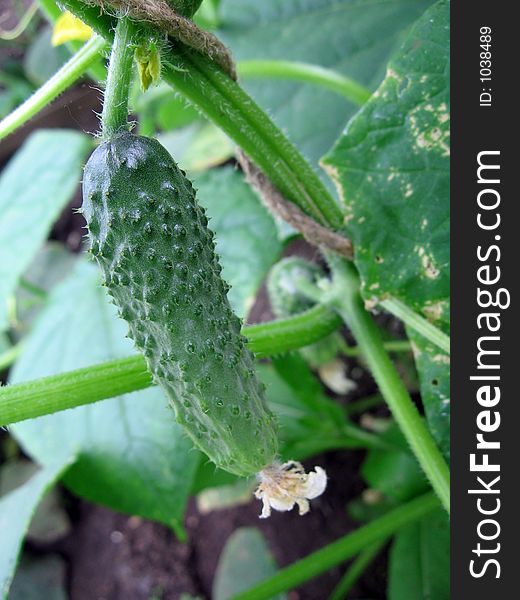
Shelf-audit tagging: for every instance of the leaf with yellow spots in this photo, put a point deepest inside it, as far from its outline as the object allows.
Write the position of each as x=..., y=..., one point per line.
x=391, y=166
x=69, y=28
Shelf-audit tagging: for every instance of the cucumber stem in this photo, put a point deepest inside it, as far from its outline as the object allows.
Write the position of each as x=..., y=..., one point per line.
x=114, y=118
x=347, y=301
x=341, y=550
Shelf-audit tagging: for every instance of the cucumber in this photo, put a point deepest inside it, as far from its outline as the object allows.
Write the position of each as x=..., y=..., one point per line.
x=286, y=301
x=156, y=252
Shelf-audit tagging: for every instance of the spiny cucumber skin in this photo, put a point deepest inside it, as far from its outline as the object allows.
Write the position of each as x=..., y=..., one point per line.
x=151, y=240
x=287, y=301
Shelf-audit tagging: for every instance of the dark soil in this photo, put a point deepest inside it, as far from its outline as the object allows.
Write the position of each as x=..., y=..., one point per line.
x=115, y=557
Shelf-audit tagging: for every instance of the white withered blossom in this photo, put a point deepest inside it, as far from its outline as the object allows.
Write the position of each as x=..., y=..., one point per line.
x=284, y=485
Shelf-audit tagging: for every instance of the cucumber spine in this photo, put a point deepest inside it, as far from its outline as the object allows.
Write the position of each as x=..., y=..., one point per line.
x=151, y=240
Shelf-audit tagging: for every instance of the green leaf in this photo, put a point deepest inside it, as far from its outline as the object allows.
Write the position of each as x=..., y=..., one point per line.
x=392, y=168
x=420, y=560
x=166, y=110
x=50, y=521
x=198, y=146
x=395, y=473
x=247, y=238
x=132, y=456
x=43, y=59
x=34, y=188
x=52, y=263
x=16, y=511
x=309, y=421
x=41, y=577
x=433, y=366
x=354, y=38
x=245, y=560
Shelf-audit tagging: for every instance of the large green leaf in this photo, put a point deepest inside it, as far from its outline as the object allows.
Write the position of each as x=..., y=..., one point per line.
x=247, y=238
x=420, y=560
x=16, y=511
x=353, y=37
x=42, y=59
x=392, y=168
x=34, y=188
x=433, y=366
x=394, y=472
x=245, y=560
x=132, y=456
x=310, y=422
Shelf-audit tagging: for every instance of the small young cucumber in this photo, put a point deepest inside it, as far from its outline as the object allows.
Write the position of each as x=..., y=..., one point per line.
x=151, y=240
x=286, y=300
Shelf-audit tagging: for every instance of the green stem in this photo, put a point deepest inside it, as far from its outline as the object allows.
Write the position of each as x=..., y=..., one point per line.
x=306, y=73
x=346, y=547
x=225, y=103
x=71, y=389
x=33, y=289
x=71, y=71
x=418, y=323
x=390, y=346
x=356, y=569
x=114, y=117
x=113, y=378
x=284, y=335
x=349, y=304
x=50, y=9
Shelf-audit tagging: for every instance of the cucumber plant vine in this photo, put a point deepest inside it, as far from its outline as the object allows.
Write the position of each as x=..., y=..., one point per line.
x=151, y=240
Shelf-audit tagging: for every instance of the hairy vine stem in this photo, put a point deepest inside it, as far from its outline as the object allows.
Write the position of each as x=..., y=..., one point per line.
x=313, y=232
x=114, y=118
x=163, y=18
x=225, y=103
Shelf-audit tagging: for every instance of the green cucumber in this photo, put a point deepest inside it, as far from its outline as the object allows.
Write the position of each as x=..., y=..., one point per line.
x=151, y=240
x=286, y=300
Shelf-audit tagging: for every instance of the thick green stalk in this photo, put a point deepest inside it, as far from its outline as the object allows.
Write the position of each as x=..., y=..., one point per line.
x=349, y=304
x=284, y=335
x=356, y=569
x=71, y=389
x=114, y=117
x=113, y=378
x=305, y=73
x=346, y=547
x=293, y=175
x=415, y=321
x=225, y=103
x=71, y=71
